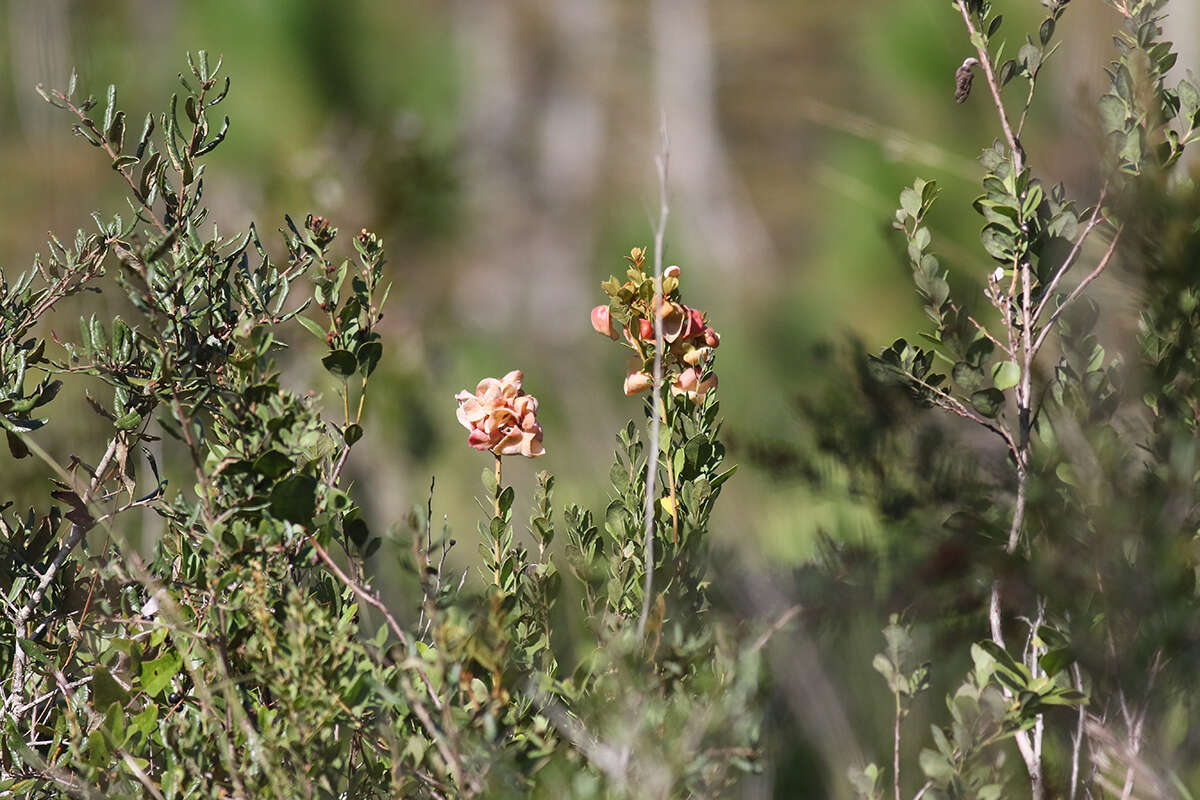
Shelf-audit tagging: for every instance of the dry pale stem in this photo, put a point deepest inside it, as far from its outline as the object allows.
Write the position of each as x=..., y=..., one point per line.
x=660, y=228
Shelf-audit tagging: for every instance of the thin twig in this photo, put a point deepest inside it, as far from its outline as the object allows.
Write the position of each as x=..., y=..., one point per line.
x=1077, y=737
x=661, y=163
x=376, y=603
x=1023, y=270
x=112, y=154
x=896, y=748
x=603, y=757
x=948, y=402
x=979, y=327
x=362, y=593
x=1093, y=221
x=776, y=626
x=985, y=62
x=65, y=687
x=439, y=739
x=76, y=534
x=1083, y=284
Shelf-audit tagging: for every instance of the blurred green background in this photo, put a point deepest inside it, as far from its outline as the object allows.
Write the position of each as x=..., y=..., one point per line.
x=504, y=150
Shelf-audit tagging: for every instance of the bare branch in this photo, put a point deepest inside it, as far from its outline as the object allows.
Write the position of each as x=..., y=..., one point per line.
x=362, y=593
x=1077, y=736
x=661, y=163
x=776, y=626
x=1048, y=292
x=1083, y=284
x=985, y=62
x=17, y=685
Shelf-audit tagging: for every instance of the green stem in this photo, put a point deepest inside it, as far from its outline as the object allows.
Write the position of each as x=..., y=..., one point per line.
x=496, y=539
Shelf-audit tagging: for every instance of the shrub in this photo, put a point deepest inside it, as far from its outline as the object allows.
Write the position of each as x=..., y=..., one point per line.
x=1091, y=610
x=248, y=654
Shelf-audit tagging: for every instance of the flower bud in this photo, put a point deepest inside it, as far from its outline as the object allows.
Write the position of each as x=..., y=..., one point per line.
x=602, y=322
x=695, y=355
x=637, y=382
x=671, y=271
x=645, y=330
x=711, y=337
x=687, y=380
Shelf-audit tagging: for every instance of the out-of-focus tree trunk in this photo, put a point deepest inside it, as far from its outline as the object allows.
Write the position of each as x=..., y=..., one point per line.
x=39, y=38
x=712, y=201
x=535, y=86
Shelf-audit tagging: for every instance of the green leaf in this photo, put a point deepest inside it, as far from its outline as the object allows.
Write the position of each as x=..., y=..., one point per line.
x=1008, y=71
x=910, y=201
x=506, y=499
x=489, y=480
x=1066, y=474
x=128, y=421
x=1055, y=661
x=935, y=766
x=884, y=667
x=294, y=499
x=105, y=689
x=353, y=433
x=724, y=476
x=1005, y=661
x=1123, y=83
x=998, y=242
x=368, y=356
x=1030, y=57
x=1046, y=32
x=312, y=327
x=272, y=464
x=1005, y=375
x=16, y=447
x=1113, y=112
x=1189, y=100
x=157, y=674
x=988, y=402
x=1134, y=146
x=340, y=363
x=968, y=377
x=1063, y=697
x=1033, y=198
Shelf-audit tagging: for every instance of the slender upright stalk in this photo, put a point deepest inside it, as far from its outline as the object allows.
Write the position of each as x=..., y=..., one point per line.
x=1030, y=750
x=496, y=553
x=896, y=749
x=656, y=399
x=496, y=498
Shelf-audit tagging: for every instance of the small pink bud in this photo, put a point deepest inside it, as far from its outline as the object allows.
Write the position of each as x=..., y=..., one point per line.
x=711, y=337
x=671, y=271
x=645, y=330
x=637, y=382
x=602, y=322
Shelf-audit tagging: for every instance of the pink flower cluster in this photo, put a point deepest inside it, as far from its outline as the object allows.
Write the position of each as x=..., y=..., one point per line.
x=690, y=342
x=501, y=418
